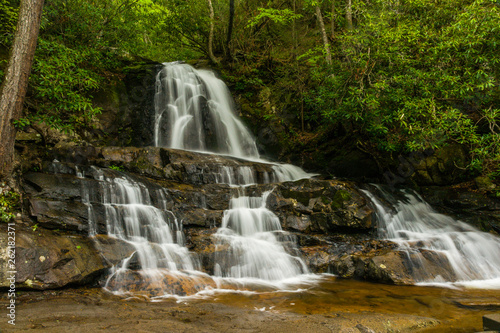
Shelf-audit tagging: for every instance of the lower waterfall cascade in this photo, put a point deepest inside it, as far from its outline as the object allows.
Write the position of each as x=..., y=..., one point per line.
x=472, y=256
x=194, y=111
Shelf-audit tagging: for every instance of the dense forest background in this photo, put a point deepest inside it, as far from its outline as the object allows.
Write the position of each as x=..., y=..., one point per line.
x=385, y=77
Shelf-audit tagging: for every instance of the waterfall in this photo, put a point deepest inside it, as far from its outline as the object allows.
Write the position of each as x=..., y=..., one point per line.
x=194, y=111
x=255, y=248
x=137, y=214
x=472, y=255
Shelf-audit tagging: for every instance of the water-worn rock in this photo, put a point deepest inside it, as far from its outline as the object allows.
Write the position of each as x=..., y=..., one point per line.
x=321, y=206
x=127, y=107
x=393, y=266
x=331, y=220
x=44, y=259
x=170, y=164
x=167, y=283
x=466, y=204
x=111, y=249
x=70, y=198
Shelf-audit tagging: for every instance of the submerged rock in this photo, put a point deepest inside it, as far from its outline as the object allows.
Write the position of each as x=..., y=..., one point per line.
x=159, y=284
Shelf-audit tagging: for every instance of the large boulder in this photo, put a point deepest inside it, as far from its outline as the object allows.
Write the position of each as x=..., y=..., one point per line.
x=445, y=166
x=394, y=266
x=45, y=259
x=321, y=206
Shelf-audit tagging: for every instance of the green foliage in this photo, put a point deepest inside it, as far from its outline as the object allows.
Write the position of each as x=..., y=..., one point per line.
x=62, y=80
x=97, y=24
x=116, y=167
x=186, y=23
x=9, y=204
x=8, y=21
x=416, y=74
x=485, y=148
x=281, y=16
x=22, y=122
x=413, y=74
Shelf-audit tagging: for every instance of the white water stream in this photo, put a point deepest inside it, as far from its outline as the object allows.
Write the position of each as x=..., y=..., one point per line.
x=473, y=256
x=194, y=111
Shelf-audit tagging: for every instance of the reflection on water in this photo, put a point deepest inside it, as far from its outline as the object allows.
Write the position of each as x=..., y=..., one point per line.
x=457, y=310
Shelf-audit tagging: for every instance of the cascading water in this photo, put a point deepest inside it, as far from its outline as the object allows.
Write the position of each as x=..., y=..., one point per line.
x=194, y=111
x=255, y=250
x=472, y=255
x=138, y=215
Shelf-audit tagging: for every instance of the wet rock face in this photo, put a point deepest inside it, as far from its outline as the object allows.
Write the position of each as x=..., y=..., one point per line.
x=60, y=198
x=46, y=260
x=321, y=206
x=308, y=206
x=127, y=108
x=390, y=265
x=473, y=207
x=160, y=163
x=330, y=220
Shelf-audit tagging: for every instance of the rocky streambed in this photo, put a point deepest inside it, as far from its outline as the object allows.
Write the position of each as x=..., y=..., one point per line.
x=335, y=305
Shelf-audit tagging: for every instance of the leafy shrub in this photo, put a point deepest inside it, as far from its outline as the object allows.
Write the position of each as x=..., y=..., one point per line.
x=9, y=204
x=416, y=75
x=62, y=80
x=8, y=21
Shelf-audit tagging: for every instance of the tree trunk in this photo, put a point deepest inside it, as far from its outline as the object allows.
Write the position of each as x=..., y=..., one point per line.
x=211, y=35
x=348, y=15
x=325, y=37
x=230, y=29
x=332, y=22
x=13, y=90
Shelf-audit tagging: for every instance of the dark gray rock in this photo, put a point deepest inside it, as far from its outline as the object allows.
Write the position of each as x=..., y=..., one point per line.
x=46, y=260
x=466, y=204
x=491, y=322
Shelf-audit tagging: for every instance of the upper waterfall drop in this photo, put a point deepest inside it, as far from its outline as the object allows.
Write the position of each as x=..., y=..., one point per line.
x=194, y=111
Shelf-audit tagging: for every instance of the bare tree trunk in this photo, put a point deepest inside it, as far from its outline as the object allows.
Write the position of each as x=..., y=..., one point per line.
x=230, y=29
x=211, y=35
x=332, y=22
x=348, y=14
x=13, y=89
x=325, y=37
